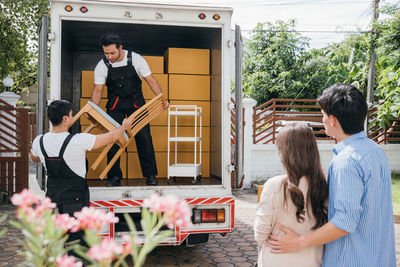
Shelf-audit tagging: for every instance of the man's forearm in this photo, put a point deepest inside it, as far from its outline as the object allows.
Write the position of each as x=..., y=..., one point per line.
x=96, y=98
x=96, y=93
x=322, y=235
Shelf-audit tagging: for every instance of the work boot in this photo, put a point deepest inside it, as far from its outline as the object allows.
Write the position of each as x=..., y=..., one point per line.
x=114, y=181
x=151, y=180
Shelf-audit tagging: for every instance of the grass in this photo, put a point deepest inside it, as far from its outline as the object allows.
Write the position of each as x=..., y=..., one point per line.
x=396, y=192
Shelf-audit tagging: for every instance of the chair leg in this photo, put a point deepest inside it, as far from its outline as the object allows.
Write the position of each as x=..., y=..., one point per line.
x=90, y=127
x=102, y=155
x=111, y=163
x=84, y=110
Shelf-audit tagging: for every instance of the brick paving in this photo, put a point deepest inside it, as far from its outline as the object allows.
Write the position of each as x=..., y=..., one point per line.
x=235, y=249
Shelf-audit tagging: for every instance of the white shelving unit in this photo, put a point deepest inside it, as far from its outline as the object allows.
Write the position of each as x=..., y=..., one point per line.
x=177, y=169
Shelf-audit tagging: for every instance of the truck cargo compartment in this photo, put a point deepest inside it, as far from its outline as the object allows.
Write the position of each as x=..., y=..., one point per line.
x=80, y=52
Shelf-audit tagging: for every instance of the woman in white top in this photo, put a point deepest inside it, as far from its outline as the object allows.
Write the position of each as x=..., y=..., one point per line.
x=297, y=199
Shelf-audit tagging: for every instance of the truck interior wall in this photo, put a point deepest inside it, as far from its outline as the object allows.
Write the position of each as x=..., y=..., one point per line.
x=81, y=51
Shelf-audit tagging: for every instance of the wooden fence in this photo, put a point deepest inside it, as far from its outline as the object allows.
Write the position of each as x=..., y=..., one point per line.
x=388, y=135
x=270, y=116
x=14, y=148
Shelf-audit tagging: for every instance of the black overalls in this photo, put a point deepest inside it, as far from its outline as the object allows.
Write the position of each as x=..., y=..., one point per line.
x=124, y=92
x=64, y=187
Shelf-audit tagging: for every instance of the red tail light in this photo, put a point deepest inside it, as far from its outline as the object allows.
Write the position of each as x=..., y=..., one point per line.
x=208, y=215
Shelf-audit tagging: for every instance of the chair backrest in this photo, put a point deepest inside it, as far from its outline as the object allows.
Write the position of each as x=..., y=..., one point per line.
x=146, y=113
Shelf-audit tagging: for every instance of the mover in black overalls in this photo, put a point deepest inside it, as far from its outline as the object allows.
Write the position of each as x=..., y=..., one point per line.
x=121, y=70
x=64, y=156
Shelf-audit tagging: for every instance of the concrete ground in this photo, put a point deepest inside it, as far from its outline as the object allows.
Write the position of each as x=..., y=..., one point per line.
x=235, y=249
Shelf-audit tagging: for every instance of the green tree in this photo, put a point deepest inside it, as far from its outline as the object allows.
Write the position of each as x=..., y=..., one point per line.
x=388, y=63
x=19, y=26
x=273, y=59
x=346, y=62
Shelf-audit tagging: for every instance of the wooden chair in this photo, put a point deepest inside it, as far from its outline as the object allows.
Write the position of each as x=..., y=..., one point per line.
x=142, y=117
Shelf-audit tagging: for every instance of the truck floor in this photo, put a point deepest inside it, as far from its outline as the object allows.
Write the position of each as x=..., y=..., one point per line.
x=161, y=181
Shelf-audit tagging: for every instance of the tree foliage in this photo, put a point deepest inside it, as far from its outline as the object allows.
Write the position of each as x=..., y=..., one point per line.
x=388, y=62
x=274, y=62
x=278, y=64
x=19, y=26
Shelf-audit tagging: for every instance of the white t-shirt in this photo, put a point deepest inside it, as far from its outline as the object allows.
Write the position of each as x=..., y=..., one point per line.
x=138, y=62
x=74, y=154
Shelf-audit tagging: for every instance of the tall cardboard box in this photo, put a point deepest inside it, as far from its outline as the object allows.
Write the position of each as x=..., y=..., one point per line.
x=189, y=87
x=162, y=80
x=156, y=63
x=187, y=61
x=87, y=84
x=94, y=174
x=134, y=170
x=159, y=136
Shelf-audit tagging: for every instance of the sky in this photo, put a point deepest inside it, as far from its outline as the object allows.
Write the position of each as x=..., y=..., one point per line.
x=324, y=21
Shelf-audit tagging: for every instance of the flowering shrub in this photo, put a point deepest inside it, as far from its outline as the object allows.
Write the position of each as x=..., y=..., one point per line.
x=46, y=232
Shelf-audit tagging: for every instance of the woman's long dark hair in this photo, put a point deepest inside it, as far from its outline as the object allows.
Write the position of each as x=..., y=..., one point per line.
x=300, y=157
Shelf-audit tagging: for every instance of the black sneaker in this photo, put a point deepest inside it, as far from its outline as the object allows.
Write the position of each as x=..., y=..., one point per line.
x=151, y=180
x=114, y=181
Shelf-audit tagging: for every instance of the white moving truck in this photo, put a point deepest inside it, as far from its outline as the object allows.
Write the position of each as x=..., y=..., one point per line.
x=150, y=29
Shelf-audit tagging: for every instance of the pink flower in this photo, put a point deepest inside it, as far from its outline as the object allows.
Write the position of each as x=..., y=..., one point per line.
x=106, y=250
x=64, y=221
x=154, y=203
x=94, y=219
x=44, y=204
x=127, y=244
x=67, y=261
x=175, y=211
x=24, y=199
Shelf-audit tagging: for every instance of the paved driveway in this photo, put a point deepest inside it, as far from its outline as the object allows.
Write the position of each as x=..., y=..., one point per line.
x=235, y=249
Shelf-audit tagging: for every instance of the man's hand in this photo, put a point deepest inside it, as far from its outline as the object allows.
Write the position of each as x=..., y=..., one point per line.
x=165, y=105
x=34, y=158
x=90, y=118
x=127, y=123
x=289, y=242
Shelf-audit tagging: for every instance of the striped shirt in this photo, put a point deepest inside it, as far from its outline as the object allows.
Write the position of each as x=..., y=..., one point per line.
x=360, y=202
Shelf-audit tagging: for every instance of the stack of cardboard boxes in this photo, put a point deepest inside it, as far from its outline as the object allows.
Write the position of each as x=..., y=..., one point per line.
x=186, y=81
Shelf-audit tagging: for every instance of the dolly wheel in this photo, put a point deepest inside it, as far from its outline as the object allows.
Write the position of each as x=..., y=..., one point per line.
x=199, y=178
x=174, y=179
x=194, y=181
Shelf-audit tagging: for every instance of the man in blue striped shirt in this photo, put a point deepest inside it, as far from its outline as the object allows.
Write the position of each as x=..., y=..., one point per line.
x=360, y=230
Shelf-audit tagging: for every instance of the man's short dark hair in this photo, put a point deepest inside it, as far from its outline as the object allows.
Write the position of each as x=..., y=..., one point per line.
x=57, y=110
x=109, y=39
x=347, y=104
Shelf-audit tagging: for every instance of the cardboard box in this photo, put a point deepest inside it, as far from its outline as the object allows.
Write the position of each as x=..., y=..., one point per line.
x=156, y=63
x=134, y=170
x=187, y=61
x=189, y=87
x=160, y=139
x=189, y=120
x=94, y=174
x=83, y=102
x=87, y=84
x=162, y=79
x=159, y=136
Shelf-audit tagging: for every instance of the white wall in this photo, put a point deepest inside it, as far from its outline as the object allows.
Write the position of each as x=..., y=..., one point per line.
x=266, y=161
